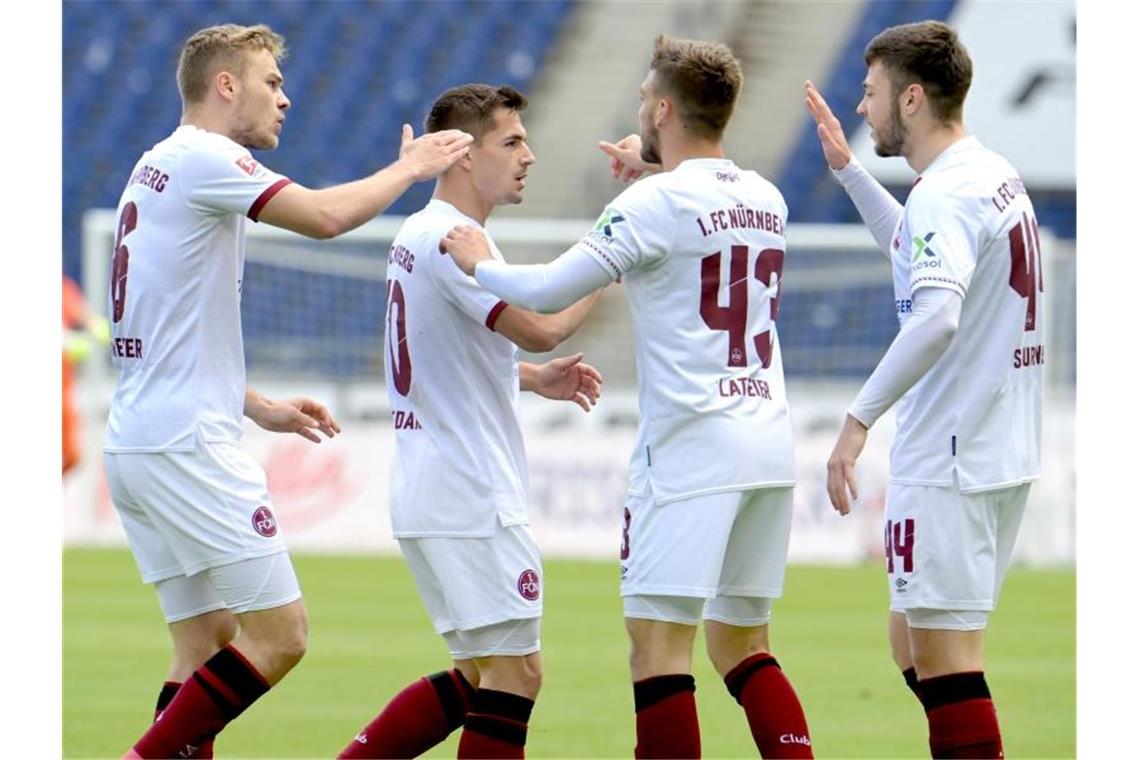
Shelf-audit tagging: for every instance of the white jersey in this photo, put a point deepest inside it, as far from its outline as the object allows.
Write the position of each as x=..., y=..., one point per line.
x=176, y=290
x=701, y=252
x=969, y=226
x=453, y=385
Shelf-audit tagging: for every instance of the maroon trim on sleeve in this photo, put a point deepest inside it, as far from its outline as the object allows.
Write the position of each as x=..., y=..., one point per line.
x=269, y=192
x=494, y=313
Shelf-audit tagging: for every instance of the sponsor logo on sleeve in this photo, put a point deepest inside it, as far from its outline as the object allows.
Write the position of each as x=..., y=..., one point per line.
x=247, y=164
x=606, y=223
x=923, y=255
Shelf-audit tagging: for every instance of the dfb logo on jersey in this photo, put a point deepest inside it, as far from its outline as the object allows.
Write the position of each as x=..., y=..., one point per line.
x=606, y=222
x=528, y=585
x=247, y=165
x=264, y=522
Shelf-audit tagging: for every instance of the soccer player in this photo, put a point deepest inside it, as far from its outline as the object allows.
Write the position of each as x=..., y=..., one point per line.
x=459, y=490
x=193, y=505
x=965, y=369
x=700, y=248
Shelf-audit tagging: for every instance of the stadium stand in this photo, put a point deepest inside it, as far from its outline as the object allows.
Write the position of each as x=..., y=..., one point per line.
x=371, y=65
x=806, y=184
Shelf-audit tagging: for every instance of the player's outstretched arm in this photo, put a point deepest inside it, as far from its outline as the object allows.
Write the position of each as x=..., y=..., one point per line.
x=296, y=415
x=567, y=378
x=332, y=211
x=540, y=333
x=878, y=208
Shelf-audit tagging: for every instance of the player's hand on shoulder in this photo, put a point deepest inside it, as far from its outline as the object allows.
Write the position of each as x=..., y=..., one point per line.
x=467, y=246
x=296, y=415
x=432, y=154
x=626, y=163
x=828, y=128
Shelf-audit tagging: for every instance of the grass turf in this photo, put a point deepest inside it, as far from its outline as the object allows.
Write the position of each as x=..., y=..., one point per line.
x=370, y=636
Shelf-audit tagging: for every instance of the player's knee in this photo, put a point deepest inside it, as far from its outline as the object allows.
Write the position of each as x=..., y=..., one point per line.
x=531, y=675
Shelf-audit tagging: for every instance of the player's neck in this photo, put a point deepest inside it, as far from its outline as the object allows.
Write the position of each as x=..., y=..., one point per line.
x=464, y=197
x=672, y=154
x=931, y=145
x=203, y=119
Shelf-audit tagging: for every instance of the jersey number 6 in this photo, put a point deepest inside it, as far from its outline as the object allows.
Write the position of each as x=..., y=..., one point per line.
x=128, y=220
x=733, y=318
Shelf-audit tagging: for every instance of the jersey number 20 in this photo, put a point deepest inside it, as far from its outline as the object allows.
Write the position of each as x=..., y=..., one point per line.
x=733, y=318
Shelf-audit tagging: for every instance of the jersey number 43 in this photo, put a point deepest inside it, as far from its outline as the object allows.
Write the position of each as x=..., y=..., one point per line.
x=733, y=318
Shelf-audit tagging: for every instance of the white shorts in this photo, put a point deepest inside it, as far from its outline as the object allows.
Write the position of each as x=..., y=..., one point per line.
x=948, y=550
x=250, y=585
x=469, y=583
x=188, y=511
x=732, y=544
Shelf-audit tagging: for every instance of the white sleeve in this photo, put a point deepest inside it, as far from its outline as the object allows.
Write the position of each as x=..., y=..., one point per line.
x=545, y=288
x=462, y=291
x=229, y=179
x=878, y=208
x=921, y=341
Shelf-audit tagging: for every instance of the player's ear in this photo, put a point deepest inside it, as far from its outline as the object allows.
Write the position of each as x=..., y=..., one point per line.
x=662, y=111
x=913, y=98
x=226, y=85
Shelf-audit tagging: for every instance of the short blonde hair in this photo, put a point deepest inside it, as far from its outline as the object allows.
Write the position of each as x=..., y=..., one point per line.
x=221, y=48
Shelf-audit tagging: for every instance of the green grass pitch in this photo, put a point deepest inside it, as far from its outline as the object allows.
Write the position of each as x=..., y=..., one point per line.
x=370, y=636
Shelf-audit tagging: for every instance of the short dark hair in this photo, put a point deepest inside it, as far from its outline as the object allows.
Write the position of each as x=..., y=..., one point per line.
x=928, y=53
x=471, y=107
x=703, y=77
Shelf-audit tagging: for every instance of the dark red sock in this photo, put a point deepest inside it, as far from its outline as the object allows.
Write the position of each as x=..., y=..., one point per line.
x=216, y=694
x=667, y=717
x=417, y=719
x=775, y=716
x=496, y=725
x=165, y=695
x=961, y=715
x=910, y=675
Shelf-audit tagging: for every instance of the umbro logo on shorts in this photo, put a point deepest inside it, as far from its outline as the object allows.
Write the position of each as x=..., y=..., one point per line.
x=528, y=585
x=265, y=524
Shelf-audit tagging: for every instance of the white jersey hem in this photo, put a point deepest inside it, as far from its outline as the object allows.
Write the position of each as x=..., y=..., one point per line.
x=719, y=489
x=486, y=620
x=209, y=564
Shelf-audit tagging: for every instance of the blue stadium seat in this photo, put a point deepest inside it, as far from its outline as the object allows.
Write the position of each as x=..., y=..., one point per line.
x=362, y=68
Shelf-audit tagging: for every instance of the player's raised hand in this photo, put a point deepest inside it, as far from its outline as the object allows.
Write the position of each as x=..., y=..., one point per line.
x=828, y=128
x=626, y=162
x=432, y=154
x=296, y=415
x=568, y=378
x=841, y=465
x=467, y=246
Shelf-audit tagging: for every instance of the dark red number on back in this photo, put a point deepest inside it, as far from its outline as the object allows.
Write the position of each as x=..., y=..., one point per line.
x=1025, y=275
x=400, y=361
x=128, y=220
x=733, y=318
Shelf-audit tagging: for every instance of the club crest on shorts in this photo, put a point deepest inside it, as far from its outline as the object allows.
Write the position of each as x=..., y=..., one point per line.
x=528, y=585
x=265, y=524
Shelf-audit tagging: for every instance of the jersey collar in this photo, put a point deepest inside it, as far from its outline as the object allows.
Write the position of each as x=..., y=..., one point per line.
x=969, y=142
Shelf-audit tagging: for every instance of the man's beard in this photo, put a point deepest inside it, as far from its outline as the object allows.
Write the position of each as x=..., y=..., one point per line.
x=891, y=143
x=651, y=147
